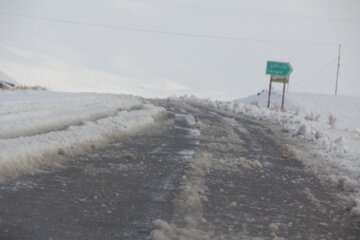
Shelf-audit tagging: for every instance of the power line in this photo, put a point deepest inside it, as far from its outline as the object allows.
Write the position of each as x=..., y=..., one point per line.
x=169, y=33
x=238, y=12
x=316, y=73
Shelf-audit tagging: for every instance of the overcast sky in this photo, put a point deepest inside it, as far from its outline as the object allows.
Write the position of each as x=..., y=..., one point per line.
x=71, y=57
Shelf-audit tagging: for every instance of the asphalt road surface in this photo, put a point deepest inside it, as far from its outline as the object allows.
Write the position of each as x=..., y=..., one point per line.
x=205, y=174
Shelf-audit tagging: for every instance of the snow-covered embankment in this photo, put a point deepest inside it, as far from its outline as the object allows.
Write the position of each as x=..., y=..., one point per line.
x=37, y=128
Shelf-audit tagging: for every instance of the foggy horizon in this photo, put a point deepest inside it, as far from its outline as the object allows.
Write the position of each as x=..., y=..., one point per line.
x=163, y=48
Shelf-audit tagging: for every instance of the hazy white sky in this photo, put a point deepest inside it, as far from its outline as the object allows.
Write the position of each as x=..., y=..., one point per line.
x=72, y=57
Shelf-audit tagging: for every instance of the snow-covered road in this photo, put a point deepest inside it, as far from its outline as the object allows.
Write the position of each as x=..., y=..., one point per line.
x=200, y=175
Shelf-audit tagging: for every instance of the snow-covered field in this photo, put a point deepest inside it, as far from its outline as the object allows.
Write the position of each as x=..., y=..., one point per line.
x=332, y=151
x=39, y=127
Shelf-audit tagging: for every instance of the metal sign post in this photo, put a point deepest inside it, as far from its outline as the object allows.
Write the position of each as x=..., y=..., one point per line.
x=283, y=98
x=280, y=72
x=269, y=93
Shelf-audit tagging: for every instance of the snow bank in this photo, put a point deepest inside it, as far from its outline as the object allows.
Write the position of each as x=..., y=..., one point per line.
x=345, y=109
x=39, y=128
x=331, y=152
x=35, y=112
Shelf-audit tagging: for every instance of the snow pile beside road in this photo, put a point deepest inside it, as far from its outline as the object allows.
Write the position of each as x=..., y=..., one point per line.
x=345, y=109
x=35, y=112
x=331, y=152
x=39, y=128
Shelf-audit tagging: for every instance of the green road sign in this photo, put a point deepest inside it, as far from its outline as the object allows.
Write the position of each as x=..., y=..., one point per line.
x=278, y=69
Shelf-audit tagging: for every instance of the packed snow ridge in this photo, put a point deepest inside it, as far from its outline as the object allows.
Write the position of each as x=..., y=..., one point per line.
x=330, y=148
x=37, y=128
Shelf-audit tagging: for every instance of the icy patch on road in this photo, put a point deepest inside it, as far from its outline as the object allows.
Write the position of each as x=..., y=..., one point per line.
x=187, y=117
x=194, y=132
x=190, y=123
x=236, y=124
x=187, y=152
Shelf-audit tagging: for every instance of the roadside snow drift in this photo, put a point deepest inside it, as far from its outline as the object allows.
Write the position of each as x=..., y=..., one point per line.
x=38, y=127
x=345, y=109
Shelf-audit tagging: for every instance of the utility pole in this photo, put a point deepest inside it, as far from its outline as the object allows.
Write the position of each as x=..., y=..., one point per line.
x=338, y=71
